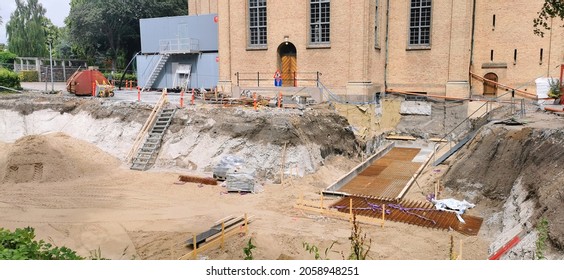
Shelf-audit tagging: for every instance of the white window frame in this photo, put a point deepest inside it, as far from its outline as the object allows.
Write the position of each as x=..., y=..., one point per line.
x=320, y=9
x=256, y=9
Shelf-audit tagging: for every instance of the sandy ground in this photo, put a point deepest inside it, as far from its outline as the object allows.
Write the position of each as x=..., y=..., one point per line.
x=100, y=204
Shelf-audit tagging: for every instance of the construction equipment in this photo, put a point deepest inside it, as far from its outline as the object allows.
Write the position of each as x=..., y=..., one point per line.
x=89, y=82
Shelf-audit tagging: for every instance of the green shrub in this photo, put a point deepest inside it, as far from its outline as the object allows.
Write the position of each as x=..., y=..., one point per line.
x=117, y=76
x=20, y=245
x=29, y=76
x=7, y=59
x=9, y=79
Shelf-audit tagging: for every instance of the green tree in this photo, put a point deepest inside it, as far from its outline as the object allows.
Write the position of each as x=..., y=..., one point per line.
x=109, y=29
x=20, y=245
x=26, y=29
x=551, y=9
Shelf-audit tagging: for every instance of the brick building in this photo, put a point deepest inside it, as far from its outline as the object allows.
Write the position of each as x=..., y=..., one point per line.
x=358, y=47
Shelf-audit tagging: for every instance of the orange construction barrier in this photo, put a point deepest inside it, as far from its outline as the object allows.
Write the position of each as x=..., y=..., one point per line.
x=255, y=100
x=192, y=101
x=138, y=94
x=181, y=98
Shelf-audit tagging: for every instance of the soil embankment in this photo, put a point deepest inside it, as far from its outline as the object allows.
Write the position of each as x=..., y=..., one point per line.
x=520, y=172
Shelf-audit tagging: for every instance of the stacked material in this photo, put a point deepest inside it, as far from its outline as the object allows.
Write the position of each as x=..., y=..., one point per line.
x=241, y=180
x=226, y=163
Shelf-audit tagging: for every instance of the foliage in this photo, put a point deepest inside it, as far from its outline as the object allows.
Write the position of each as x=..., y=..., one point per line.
x=7, y=59
x=20, y=245
x=9, y=79
x=29, y=76
x=551, y=9
x=100, y=29
x=359, y=245
x=249, y=250
x=26, y=29
x=451, y=253
x=554, y=91
x=312, y=249
x=542, y=229
x=359, y=248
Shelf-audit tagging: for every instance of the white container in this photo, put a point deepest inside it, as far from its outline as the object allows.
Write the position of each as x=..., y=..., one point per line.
x=543, y=86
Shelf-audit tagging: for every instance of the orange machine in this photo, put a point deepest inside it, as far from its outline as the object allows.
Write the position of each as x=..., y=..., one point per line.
x=86, y=82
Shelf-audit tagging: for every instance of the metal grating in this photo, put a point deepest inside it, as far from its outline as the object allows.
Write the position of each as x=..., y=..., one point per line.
x=411, y=212
x=387, y=176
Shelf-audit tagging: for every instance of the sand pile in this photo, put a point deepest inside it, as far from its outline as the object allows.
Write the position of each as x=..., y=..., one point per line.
x=52, y=158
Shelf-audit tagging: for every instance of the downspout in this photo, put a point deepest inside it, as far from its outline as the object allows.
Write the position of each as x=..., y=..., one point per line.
x=472, y=46
x=387, y=44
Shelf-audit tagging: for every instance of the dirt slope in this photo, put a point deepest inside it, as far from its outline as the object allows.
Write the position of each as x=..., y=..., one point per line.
x=520, y=168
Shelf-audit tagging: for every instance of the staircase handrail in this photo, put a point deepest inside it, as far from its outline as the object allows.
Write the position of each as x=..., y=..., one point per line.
x=144, y=130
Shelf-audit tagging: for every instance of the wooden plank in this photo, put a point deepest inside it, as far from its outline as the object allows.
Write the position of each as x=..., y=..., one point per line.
x=399, y=137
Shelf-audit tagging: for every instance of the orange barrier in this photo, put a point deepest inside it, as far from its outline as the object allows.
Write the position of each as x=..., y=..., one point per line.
x=255, y=100
x=181, y=98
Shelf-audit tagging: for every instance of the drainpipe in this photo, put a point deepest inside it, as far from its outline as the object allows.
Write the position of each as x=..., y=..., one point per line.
x=472, y=45
x=387, y=44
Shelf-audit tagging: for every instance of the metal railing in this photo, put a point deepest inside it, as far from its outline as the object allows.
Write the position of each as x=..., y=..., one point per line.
x=179, y=45
x=291, y=79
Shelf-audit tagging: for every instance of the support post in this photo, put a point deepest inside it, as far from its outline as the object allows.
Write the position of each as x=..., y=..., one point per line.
x=351, y=210
x=246, y=224
x=195, y=251
x=258, y=79
x=222, y=234
x=181, y=98
x=383, y=214
x=192, y=98
x=295, y=80
x=279, y=100
x=138, y=94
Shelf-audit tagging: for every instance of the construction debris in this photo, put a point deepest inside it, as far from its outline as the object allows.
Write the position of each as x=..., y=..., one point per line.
x=452, y=205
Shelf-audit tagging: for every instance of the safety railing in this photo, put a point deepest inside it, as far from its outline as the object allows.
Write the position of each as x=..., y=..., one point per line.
x=179, y=45
x=288, y=79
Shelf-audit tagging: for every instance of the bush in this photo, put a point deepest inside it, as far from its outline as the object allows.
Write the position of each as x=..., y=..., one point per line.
x=29, y=76
x=117, y=75
x=9, y=79
x=20, y=245
x=7, y=59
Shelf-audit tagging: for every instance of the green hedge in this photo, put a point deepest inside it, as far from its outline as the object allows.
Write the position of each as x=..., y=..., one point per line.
x=29, y=76
x=7, y=59
x=9, y=79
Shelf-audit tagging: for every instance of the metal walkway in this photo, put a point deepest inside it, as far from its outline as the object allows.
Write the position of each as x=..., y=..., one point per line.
x=147, y=154
x=387, y=176
x=411, y=212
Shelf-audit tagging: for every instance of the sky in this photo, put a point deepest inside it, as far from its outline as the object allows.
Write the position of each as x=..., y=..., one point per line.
x=57, y=11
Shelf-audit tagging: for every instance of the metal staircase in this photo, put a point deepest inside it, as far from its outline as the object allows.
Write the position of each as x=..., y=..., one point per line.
x=147, y=154
x=156, y=71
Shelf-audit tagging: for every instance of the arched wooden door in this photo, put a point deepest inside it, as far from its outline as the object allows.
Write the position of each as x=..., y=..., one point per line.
x=288, y=62
x=489, y=87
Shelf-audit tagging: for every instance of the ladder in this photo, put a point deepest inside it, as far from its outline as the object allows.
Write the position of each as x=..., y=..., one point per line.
x=156, y=71
x=147, y=154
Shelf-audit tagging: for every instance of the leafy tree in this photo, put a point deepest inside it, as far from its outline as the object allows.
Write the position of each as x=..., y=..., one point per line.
x=550, y=10
x=109, y=29
x=26, y=29
x=20, y=245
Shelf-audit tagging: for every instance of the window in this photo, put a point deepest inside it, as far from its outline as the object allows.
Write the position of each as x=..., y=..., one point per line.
x=376, y=38
x=420, y=22
x=257, y=23
x=320, y=27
